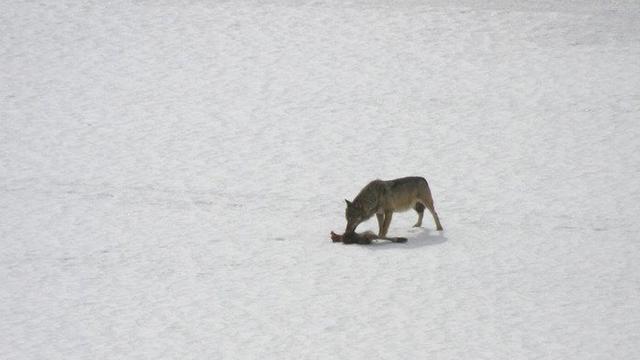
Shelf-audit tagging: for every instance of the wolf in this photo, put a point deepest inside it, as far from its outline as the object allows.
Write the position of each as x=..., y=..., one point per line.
x=383, y=198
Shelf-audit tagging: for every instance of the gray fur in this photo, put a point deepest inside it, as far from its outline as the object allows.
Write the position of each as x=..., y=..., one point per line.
x=383, y=198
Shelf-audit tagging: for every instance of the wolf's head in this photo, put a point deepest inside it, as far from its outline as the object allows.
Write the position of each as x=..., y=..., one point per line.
x=354, y=214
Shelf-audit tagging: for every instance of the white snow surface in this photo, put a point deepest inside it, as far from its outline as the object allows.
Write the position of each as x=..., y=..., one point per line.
x=170, y=172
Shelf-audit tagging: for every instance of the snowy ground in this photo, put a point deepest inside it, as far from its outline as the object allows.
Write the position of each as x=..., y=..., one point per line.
x=170, y=172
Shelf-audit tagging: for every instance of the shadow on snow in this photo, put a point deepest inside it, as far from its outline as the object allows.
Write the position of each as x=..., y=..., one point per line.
x=426, y=237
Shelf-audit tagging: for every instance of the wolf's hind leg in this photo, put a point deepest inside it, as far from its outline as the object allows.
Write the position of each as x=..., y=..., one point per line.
x=419, y=207
x=432, y=210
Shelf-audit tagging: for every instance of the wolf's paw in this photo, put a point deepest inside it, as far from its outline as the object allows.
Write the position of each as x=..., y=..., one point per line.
x=400, y=240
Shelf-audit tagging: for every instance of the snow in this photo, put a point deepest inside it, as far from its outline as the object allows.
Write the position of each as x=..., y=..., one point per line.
x=170, y=172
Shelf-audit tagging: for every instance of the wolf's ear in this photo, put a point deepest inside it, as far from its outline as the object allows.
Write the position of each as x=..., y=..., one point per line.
x=348, y=202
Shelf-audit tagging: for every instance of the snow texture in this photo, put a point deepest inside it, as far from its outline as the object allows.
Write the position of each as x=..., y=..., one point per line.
x=170, y=172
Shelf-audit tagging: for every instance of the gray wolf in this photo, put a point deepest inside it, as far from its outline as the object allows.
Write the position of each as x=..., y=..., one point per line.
x=383, y=198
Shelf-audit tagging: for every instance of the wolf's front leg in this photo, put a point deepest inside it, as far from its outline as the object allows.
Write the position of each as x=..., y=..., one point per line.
x=380, y=218
x=386, y=223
